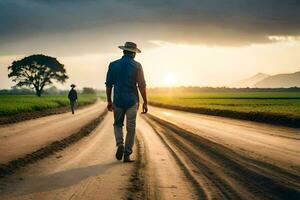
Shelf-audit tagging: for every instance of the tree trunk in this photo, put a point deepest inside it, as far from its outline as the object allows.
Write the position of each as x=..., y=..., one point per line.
x=38, y=93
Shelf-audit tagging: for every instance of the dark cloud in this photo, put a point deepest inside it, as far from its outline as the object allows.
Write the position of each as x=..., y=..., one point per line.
x=81, y=26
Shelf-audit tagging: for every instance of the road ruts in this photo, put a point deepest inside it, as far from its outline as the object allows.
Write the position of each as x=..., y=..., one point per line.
x=221, y=172
x=86, y=170
x=28, y=136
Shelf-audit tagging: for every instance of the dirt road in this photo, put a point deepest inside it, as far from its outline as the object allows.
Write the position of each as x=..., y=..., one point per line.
x=231, y=159
x=86, y=170
x=181, y=156
x=25, y=137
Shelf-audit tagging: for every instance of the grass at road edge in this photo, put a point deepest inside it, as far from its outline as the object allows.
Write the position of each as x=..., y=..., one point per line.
x=16, y=104
x=269, y=118
x=281, y=108
x=14, y=165
x=13, y=109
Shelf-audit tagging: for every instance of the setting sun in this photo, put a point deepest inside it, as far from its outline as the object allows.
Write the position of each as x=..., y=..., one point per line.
x=170, y=79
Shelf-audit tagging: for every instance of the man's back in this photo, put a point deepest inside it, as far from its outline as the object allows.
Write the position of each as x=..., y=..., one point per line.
x=72, y=95
x=124, y=75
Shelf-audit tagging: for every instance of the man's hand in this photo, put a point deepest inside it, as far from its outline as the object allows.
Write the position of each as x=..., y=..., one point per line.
x=145, y=108
x=109, y=106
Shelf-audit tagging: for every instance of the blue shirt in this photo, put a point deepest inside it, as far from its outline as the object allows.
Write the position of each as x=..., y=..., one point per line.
x=124, y=75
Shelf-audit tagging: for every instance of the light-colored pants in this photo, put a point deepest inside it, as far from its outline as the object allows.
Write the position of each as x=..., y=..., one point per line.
x=119, y=115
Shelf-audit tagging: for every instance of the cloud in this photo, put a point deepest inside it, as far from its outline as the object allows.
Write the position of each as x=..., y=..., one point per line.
x=76, y=27
x=279, y=38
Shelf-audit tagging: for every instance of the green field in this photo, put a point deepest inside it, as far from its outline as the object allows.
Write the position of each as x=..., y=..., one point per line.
x=14, y=104
x=285, y=104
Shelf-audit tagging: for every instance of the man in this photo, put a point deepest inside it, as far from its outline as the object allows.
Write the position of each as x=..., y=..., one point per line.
x=124, y=75
x=72, y=97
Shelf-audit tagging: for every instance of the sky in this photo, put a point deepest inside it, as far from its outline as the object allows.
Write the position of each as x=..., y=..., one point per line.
x=190, y=43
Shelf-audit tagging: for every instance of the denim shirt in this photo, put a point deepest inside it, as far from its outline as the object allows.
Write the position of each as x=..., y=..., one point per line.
x=124, y=75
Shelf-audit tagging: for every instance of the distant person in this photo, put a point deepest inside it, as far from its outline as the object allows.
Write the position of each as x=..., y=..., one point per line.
x=72, y=97
x=125, y=76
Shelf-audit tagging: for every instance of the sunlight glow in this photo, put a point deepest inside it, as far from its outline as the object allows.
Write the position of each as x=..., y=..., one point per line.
x=170, y=79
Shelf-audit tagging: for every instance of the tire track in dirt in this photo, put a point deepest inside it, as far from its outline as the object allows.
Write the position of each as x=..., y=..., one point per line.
x=137, y=188
x=85, y=170
x=14, y=165
x=221, y=172
x=31, y=135
x=162, y=177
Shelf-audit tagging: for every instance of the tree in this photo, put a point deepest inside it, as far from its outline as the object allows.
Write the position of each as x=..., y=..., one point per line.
x=37, y=71
x=87, y=90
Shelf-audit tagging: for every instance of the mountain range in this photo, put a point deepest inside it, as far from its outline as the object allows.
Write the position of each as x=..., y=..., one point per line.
x=262, y=80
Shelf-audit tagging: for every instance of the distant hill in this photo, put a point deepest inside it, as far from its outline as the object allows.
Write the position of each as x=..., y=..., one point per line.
x=250, y=82
x=280, y=81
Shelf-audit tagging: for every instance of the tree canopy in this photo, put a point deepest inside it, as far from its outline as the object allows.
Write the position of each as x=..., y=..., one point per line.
x=37, y=71
x=87, y=90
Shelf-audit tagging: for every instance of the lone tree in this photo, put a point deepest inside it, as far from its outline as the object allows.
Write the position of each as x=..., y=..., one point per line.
x=37, y=71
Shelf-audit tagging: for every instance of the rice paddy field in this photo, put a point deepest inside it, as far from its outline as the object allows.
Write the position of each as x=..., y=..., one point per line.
x=15, y=104
x=280, y=104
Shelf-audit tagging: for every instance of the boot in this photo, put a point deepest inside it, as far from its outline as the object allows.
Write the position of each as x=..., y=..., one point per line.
x=127, y=159
x=119, y=153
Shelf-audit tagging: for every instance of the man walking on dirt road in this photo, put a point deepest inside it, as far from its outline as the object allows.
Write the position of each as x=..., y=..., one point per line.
x=72, y=97
x=125, y=76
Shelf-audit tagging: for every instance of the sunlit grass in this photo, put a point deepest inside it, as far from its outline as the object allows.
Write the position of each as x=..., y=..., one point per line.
x=14, y=104
x=279, y=103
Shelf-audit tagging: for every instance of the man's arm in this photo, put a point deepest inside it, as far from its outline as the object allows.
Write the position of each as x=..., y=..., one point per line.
x=109, y=85
x=144, y=96
x=108, y=97
x=142, y=88
x=76, y=96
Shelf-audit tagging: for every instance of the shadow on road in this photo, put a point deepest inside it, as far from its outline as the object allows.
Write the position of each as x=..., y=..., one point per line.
x=58, y=180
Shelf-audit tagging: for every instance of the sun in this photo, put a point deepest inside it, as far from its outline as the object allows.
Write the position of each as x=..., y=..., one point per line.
x=170, y=79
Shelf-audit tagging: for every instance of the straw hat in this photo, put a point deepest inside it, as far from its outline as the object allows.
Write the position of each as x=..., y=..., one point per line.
x=130, y=46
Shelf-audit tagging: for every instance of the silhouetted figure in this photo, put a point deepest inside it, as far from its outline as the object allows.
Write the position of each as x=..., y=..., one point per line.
x=72, y=97
x=124, y=75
